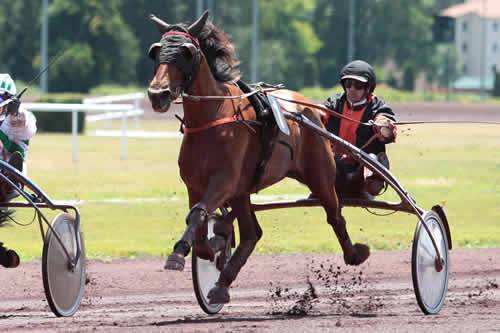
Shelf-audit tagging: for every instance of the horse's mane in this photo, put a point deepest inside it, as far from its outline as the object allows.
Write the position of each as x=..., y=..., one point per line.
x=219, y=52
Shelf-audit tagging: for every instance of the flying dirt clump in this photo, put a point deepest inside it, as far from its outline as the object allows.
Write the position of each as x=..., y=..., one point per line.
x=340, y=289
x=343, y=288
x=285, y=301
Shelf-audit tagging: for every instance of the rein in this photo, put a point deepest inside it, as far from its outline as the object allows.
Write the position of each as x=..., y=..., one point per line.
x=418, y=122
x=266, y=90
x=215, y=98
x=322, y=108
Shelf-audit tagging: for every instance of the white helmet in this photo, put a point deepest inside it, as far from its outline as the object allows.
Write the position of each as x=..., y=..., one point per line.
x=7, y=85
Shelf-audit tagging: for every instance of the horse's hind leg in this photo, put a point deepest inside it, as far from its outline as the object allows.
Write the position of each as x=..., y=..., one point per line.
x=319, y=175
x=250, y=233
x=324, y=189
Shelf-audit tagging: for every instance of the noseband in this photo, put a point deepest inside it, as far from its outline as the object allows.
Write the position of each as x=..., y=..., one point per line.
x=188, y=68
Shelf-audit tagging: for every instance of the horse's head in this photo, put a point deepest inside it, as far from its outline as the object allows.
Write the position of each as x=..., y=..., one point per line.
x=177, y=57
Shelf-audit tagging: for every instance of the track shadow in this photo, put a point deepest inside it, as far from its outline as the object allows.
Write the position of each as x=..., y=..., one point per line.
x=263, y=318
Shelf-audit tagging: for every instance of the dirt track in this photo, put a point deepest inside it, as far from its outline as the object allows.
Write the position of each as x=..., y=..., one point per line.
x=137, y=295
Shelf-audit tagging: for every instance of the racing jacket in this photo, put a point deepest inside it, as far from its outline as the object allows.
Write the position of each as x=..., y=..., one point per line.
x=16, y=131
x=351, y=131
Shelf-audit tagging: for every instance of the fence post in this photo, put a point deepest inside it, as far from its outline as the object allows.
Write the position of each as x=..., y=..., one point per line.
x=137, y=105
x=123, y=140
x=74, y=132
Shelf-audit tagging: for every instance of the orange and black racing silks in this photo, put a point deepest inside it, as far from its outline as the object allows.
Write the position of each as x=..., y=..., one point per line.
x=351, y=131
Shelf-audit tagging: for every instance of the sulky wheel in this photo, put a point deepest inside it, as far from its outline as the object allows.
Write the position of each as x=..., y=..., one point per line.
x=430, y=276
x=206, y=273
x=64, y=285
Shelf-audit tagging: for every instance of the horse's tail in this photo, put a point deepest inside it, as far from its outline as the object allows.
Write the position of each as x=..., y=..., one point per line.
x=5, y=216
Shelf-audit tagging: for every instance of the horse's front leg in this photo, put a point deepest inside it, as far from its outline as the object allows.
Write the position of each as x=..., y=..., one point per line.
x=182, y=247
x=250, y=233
x=219, y=190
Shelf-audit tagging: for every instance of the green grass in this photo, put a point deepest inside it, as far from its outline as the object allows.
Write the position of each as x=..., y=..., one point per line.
x=456, y=166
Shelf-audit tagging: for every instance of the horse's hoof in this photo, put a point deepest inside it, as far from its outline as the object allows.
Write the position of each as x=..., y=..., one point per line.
x=175, y=262
x=361, y=252
x=218, y=295
x=10, y=259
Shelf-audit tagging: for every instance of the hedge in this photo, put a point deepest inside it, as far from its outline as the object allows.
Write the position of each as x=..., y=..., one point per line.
x=59, y=121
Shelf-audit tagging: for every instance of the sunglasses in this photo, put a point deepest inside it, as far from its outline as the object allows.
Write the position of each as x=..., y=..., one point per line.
x=358, y=85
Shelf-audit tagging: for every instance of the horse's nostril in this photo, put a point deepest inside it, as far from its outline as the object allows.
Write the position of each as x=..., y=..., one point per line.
x=159, y=91
x=160, y=98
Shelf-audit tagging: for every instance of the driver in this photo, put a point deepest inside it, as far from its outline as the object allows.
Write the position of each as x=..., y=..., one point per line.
x=358, y=102
x=17, y=125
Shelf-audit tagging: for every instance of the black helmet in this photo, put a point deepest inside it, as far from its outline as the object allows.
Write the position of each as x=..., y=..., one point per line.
x=361, y=71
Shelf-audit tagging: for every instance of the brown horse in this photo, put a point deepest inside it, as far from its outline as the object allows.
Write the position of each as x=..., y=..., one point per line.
x=219, y=156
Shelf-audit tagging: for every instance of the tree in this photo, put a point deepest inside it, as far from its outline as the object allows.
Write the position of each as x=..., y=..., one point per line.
x=302, y=42
x=444, y=65
x=20, y=28
x=330, y=21
x=136, y=13
x=398, y=30
x=289, y=43
x=442, y=4
x=496, y=86
x=100, y=46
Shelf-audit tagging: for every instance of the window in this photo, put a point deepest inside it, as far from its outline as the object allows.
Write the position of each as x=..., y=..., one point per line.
x=495, y=47
x=464, y=26
x=464, y=47
x=495, y=26
x=465, y=69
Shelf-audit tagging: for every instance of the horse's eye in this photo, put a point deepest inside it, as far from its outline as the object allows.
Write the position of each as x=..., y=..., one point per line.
x=187, y=53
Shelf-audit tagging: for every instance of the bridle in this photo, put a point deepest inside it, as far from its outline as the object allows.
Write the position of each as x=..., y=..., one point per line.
x=188, y=69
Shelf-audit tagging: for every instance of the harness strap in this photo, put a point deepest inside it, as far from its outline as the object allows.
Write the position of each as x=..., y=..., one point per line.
x=211, y=124
x=184, y=34
x=216, y=98
x=189, y=73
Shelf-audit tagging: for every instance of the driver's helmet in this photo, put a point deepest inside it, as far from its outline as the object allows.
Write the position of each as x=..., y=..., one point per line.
x=361, y=71
x=7, y=85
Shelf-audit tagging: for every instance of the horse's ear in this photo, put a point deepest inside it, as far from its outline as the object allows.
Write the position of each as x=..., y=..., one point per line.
x=196, y=27
x=190, y=48
x=160, y=24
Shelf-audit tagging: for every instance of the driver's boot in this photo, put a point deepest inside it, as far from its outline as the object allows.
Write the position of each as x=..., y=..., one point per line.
x=8, y=258
x=375, y=184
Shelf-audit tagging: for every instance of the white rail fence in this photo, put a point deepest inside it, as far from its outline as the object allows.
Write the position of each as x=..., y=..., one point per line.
x=120, y=109
x=136, y=98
